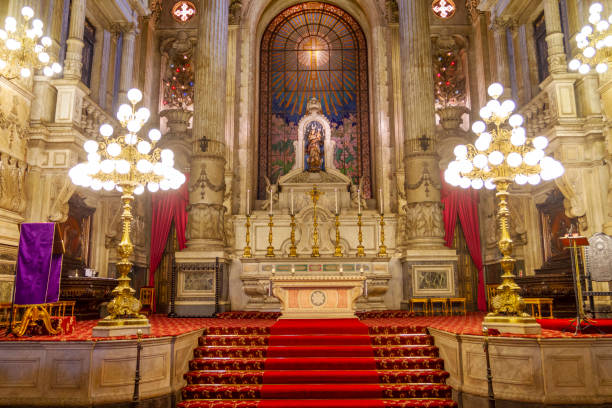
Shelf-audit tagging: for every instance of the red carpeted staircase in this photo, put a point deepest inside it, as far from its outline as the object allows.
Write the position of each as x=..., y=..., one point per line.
x=332, y=363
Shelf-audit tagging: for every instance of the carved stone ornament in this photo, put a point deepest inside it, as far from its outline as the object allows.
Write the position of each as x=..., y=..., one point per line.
x=599, y=255
x=62, y=189
x=16, y=131
x=472, y=8
x=391, y=11
x=203, y=182
x=12, y=183
x=424, y=219
x=206, y=221
x=235, y=12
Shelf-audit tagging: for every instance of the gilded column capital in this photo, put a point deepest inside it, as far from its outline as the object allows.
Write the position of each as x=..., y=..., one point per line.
x=235, y=12
x=472, y=8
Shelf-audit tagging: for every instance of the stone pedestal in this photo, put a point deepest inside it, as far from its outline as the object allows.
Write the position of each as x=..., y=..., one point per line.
x=318, y=296
x=197, y=286
x=512, y=324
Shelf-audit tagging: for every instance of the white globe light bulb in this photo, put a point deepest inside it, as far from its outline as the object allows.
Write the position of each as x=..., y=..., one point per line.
x=167, y=155
x=494, y=106
x=508, y=106
x=477, y=184
x=460, y=151
x=466, y=166
x=158, y=169
x=153, y=187
x=602, y=26
x=143, y=114
x=134, y=95
x=113, y=149
x=485, y=113
x=10, y=24
x=534, y=179
x=154, y=135
x=108, y=185
x=595, y=8
x=489, y=185
x=495, y=90
x=165, y=184
x=588, y=52
x=481, y=144
x=518, y=137
x=480, y=161
x=106, y=130
x=57, y=68
x=515, y=120
x=37, y=24
x=587, y=30
x=584, y=69
x=144, y=147
x=93, y=157
x=25, y=72
x=107, y=166
x=131, y=138
x=123, y=166
x=90, y=146
x=594, y=18
x=520, y=179
x=27, y=13
x=124, y=112
x=96, y=185
x=133, y=126
x=531, y=158
x=540, y=142
x=496, y=157
x=601, y=67
x=478, y=127
x=47, y=71
x=514, y=159
x=465, y=182
x=144, y=166
x=43, y=57
x=574, y=64
x=46, y=41
x=139, y=189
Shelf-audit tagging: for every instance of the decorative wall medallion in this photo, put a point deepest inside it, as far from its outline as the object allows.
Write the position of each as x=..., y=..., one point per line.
x=183, y=11
x=318, y=298
x=443, y=8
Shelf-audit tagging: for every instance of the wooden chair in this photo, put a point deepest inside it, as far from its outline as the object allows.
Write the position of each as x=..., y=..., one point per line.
x=533, y=302
x=419, y=301
x=5, y=315
x=147, y=298
x=441, y=302
x=455, y=301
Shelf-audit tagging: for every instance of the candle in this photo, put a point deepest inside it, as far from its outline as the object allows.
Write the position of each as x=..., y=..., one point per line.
x=381, y=199
x=359, y=200
x=248, y=207
x=336, y=194
x=270, y=200
x=292, y=202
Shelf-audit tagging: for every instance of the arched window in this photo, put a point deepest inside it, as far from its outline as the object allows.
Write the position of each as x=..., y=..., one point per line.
x=314, y=49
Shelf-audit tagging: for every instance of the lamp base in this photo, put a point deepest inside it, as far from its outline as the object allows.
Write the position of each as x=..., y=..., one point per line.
x=121, y=327
x=512, y=324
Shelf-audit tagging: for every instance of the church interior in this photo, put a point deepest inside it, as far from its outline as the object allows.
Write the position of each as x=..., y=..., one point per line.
x=305, y=203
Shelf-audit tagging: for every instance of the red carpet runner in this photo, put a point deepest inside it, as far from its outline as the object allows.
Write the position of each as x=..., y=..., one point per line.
x=335, y=363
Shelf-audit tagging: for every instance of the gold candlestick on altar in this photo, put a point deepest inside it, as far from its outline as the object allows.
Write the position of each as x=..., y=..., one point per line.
x=360, y=251
x=292, y=248
x=247, y=249
x=382, y=249
x=270, y=253
x=338, y=251
x=315, y=194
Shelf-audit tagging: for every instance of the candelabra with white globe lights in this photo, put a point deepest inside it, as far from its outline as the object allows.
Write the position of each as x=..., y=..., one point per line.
x=595, y=42
x=502, y=154
x=127, y=163
x=23, y=48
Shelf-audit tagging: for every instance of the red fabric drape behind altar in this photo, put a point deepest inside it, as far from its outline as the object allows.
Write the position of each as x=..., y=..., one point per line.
x=463, y=204
x=167, y=206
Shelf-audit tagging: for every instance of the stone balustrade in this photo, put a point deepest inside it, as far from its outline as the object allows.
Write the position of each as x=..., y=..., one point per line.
x=538, y=114
x=92, y=116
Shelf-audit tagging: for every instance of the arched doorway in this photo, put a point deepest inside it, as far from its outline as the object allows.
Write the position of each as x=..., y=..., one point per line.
x=314, y=49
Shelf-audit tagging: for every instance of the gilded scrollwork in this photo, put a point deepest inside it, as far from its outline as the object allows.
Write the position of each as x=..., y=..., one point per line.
x=12, y=183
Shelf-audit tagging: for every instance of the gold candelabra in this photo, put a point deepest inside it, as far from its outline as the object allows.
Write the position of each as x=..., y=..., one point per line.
x=247, y=249
x=315, y=194
x=270, y=253
x=502, y=154
x=128, y=163
x=360, y=251
x=338, y=250
x=293, y=248
x=593, y=42
x=382, y=249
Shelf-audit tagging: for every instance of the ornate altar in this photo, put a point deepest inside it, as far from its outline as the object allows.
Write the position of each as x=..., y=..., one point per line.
x=315, y=232
x=89, y=294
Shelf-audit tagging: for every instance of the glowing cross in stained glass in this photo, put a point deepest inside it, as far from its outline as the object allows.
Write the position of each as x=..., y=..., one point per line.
x=443, y=8
x=184, y=12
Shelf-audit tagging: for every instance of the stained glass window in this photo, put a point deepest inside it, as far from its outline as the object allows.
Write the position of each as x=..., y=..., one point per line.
x=183, y=11
x=314, y=50
x=443, y=8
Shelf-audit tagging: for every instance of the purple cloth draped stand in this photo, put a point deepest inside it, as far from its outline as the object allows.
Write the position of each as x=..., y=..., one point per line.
x=39, y=264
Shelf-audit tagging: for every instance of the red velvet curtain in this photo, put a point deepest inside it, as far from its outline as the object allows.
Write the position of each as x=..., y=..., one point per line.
x=463, y=205
x=167, y=206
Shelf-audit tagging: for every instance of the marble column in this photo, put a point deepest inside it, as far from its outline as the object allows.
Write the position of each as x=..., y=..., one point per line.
x=499, y=27
x=554, y=38
x=207, y=182
x=127, y=61
x=424, y=227
x=74, y=49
